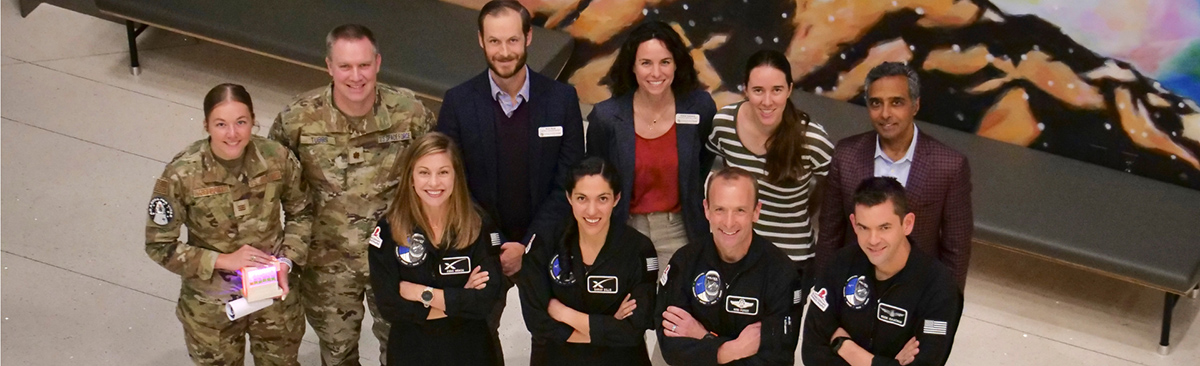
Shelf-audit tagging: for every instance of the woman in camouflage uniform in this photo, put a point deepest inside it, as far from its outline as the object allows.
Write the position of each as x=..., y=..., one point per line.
x=228, y=189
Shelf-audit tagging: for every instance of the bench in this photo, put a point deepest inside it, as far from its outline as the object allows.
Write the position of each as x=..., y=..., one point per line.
x=1101, y=220
x=427, y=45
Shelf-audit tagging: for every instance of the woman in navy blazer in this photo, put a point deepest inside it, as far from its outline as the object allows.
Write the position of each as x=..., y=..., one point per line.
x=656, y=97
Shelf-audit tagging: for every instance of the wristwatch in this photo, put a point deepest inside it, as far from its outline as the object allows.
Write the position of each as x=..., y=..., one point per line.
x=837, y=343
x=427, y=296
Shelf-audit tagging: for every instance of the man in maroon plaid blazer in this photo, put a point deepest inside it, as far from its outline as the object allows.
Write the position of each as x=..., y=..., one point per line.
x=937, y=178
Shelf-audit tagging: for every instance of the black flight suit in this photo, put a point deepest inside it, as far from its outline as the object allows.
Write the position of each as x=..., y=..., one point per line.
x=627, y=264
x=727, y=297
x=462, y=337
x=922, y=300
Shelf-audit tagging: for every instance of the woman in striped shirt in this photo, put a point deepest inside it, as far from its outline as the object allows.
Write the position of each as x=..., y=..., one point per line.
x=767, y=135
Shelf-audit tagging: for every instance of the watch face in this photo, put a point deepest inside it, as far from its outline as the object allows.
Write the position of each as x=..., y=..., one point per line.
x=427, y=295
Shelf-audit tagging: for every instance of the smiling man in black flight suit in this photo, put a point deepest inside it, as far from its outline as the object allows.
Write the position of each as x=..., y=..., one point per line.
x=734, y=298
x=882, y=303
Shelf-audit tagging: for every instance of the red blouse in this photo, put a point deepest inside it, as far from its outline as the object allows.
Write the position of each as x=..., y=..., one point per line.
x=655, y=175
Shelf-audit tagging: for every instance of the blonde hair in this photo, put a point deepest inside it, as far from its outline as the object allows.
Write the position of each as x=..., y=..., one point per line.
x=463, y=222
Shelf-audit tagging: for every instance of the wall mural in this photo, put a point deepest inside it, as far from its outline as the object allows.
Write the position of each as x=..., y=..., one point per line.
x=1112, y=82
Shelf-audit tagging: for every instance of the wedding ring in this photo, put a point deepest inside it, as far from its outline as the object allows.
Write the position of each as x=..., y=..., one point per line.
x=673, y=327
x=254, y=258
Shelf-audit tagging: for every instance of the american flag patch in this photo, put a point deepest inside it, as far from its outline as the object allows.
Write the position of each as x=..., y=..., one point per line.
x=797, y=297
x=495, y=239
x=652, y=264
x=935, y=327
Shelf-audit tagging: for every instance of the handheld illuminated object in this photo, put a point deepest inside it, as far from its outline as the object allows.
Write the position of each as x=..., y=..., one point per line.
x=259, y=283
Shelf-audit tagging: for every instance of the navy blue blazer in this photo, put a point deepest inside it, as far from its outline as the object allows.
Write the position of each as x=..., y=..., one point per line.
x=611, y=135
x=468, y=116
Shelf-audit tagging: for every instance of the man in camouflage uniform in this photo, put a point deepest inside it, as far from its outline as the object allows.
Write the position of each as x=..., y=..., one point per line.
x=348, y=136
x=231, y=214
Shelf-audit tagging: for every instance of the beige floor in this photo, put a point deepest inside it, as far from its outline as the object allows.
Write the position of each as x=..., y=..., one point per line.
x=83, y=141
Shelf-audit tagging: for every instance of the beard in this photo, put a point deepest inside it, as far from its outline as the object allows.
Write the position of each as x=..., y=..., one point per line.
x=517, y=68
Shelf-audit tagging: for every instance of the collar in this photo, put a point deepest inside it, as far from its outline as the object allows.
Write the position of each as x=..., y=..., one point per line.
x=908, y=156
x=757, y=247
x=252, y=166
x=496, y=92
x=376, y=120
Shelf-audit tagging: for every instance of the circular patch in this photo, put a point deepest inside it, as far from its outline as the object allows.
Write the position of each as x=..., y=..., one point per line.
x=413, y=254
x=707, y=287
x=160, y=211
x=856, y=292
x=558, y=275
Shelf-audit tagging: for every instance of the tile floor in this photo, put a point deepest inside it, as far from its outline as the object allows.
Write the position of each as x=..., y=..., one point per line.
x=83, y=140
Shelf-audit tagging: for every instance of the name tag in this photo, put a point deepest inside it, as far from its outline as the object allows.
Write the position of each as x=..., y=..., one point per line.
x=602, y=284
x=892, y=315
x=741, y=305
x=393, y=137
x=308, y=140
x=209, y=191
x=455, y=266
x=550, y=131
x=274, y=175
x=687, y=118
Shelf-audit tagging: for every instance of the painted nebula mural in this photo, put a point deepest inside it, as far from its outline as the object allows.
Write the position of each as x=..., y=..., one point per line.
x=1112, y=82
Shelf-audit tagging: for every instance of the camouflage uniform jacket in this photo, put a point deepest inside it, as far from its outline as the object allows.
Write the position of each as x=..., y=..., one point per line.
x=349, y=167
x=223, y=212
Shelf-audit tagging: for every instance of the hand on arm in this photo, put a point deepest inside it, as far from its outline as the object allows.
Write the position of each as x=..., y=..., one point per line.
x=744, y=346
x=679, y=323
x=574, y=318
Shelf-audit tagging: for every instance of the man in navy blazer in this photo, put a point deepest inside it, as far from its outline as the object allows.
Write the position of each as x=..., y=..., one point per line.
x=519, y=132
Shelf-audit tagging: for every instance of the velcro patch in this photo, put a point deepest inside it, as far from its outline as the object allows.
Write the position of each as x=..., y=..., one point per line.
x=309, y=140
x=602, y=284
x=741, y=305
x=892, y=315
x=162, y=186
x=271, y=176
x=935, y=327
x=393, y=137
x=652, y=264
x=455, y=266
x=209, y=191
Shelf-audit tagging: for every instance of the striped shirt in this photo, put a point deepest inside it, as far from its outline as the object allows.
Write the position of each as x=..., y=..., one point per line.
x=784, y=219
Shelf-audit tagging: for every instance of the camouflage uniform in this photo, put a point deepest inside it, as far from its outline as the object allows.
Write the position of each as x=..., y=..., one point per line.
x=196, y=190
x=349, y=167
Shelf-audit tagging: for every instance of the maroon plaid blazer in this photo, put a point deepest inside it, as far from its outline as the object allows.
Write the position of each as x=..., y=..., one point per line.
x=938, y=192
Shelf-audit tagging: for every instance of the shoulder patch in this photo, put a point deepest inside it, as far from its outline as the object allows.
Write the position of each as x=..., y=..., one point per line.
x=162, y=186
x=652, y=264
x=935, y=327
x=818, y=299
x=376, y=240
x=160, y=211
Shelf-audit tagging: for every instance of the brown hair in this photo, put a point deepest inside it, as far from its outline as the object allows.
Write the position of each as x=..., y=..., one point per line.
x=731, y=173
x=875, y=191
x=785, y=146
x=226, y=92
x=463, y=221
x=621, y=75
x=349, y=32
x=497, y=7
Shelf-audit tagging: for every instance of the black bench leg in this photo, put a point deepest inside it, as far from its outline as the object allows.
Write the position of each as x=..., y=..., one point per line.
x=132, y=30
x=1164, y=345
